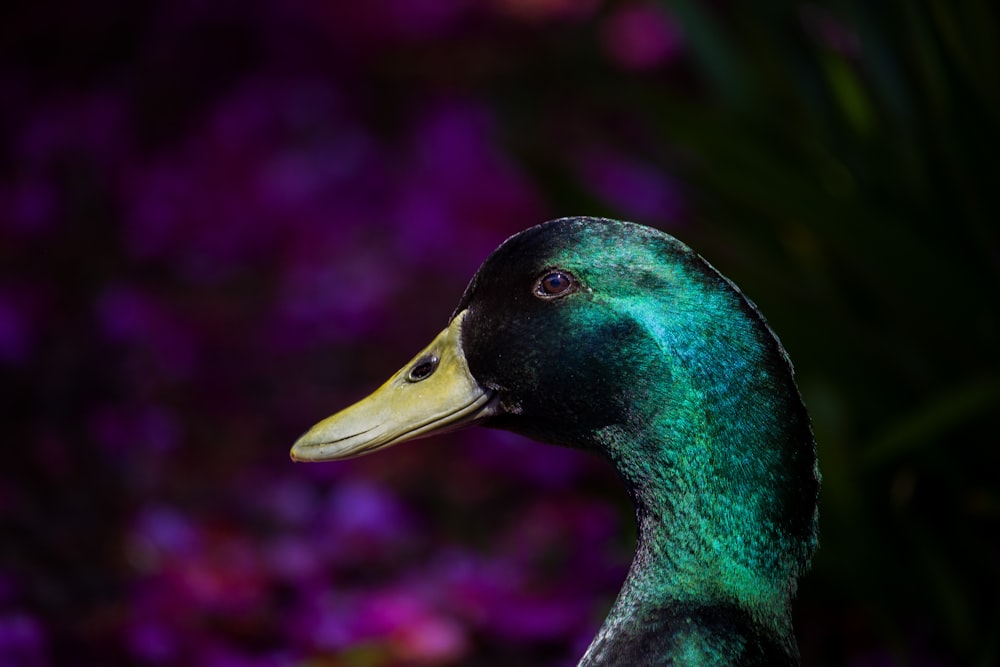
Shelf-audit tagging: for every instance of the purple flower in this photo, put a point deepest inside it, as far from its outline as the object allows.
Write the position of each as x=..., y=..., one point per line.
x=323, y=621
x=130, y=316
x=152, y=640
x=22, y=640
x=275, y=169
x=461, y=193
x=640, y=36
x=361, y=516
x=160, y=533
x=641, y=192
x=512, y=457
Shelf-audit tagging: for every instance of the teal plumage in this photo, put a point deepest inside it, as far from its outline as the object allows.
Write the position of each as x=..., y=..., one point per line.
x=617, y=338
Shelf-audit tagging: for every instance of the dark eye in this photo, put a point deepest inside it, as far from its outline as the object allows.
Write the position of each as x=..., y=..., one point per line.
x=554, y=283
x=423, y=369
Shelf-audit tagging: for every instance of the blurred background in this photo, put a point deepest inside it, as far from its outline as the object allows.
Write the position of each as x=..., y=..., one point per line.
x=222, y=221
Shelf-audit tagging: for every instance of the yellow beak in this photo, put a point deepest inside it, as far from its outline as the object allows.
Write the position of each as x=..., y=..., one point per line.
x=434, y=393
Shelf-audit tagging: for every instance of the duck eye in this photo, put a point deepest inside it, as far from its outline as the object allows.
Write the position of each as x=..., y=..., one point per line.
x=423, y=369
x=553, y=284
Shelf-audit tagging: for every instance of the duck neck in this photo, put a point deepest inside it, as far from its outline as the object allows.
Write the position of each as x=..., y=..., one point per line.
x=712, y=578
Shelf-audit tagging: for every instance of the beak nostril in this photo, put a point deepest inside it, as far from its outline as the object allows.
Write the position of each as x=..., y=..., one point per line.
x=423, y=369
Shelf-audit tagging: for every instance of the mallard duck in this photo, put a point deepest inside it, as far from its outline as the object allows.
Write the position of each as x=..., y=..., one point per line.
x=617, y=338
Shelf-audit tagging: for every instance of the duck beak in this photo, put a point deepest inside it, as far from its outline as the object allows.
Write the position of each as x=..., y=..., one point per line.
x=434, y=393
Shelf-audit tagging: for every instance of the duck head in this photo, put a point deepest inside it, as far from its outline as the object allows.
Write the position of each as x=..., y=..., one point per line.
x=617, y=338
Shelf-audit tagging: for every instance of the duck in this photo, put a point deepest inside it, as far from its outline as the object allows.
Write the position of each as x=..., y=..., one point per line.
x=616, y=338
